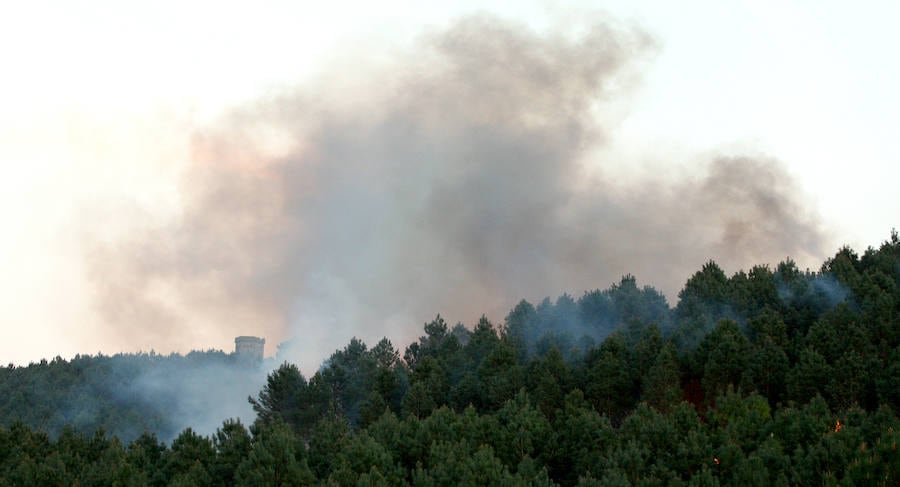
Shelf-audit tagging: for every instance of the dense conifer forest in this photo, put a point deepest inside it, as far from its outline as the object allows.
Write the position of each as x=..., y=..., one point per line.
x=773, y=376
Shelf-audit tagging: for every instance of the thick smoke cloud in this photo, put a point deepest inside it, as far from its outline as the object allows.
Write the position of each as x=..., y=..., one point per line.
x=466, y=176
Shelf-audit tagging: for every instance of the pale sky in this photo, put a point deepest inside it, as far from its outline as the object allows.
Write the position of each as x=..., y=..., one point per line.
x=98, y=101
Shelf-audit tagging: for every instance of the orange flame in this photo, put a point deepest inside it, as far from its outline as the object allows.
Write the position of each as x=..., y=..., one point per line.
x=838, y=426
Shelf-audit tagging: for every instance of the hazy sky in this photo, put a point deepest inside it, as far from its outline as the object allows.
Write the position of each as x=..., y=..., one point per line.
x=112, y=111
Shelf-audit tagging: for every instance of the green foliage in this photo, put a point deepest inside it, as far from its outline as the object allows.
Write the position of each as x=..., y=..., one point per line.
x=189, y=455
x=523, y=432
x=609, y=384
x=704, y=295
x=662, y=382
x=582, y=438
x=723, y=356
x=124, y=394
x=500, y=377
x=549, y=378
x=766, y=369
x=765, y=378
x=329, y=437
x=275, y=459
x=232, y=443
x=364, y=456
x=282, y=398
x=808, y=376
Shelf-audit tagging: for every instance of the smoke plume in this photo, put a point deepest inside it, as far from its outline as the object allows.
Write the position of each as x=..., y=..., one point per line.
x=458, y=179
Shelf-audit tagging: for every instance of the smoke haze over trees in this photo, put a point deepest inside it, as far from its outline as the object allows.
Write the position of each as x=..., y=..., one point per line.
x=128, y=394
x=773, y=376
x=593, y=315
x=458, y=177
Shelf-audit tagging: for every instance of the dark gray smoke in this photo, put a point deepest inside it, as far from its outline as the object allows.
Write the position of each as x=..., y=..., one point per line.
x=469, y=175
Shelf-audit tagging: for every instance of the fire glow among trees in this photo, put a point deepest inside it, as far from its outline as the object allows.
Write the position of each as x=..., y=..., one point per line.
x=767, y=377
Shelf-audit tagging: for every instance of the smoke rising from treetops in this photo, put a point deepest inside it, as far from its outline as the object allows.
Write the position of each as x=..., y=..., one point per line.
x=468, y=175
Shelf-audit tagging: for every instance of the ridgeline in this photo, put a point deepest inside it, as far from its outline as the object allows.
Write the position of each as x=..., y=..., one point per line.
x=774, y=376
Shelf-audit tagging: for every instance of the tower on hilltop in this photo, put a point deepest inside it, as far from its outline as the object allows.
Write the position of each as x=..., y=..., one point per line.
x=249, y=348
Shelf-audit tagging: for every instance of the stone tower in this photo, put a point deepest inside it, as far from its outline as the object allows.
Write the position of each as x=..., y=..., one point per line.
x=249, y=348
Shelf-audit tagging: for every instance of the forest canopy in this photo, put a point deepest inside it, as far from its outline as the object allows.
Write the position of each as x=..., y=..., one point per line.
x=770, y=376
